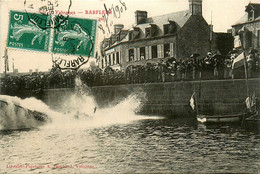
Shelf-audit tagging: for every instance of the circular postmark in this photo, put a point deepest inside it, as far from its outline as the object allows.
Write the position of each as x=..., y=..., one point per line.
x=73, y=43
x=47, y=13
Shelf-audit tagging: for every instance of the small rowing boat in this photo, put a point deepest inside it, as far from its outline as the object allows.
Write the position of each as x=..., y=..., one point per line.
x=211, y=119
x=229, y=118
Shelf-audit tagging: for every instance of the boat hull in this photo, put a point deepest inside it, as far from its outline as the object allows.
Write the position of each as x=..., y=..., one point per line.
x=37, y=117
x=218, y=119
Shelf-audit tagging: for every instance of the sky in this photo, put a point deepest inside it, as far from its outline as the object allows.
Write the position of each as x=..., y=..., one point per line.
x=222, y=13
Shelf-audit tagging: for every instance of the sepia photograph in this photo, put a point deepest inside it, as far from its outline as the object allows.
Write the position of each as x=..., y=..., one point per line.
x=128, y=86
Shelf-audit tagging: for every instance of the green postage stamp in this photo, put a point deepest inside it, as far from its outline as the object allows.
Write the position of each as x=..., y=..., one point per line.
x=73, y=36
x=25, y=35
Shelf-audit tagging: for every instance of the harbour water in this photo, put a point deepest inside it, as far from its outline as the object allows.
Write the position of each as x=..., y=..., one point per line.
x=116, y=140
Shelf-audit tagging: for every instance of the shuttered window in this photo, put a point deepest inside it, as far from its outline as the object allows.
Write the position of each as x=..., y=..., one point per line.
x=138, y=54
x=147, y=52
x=114, y=60
x=142, y=53
x=150, y=52
x=135, y=54
x=109, y=60
x=154, y=51
x=131, y=55
x=171, y=49
x=117, y=58
x=160, y=51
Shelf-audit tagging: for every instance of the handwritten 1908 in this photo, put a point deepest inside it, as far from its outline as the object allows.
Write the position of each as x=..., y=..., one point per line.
x=111, y=13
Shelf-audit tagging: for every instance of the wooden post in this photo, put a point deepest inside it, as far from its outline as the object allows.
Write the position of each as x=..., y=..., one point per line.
x=241, y=32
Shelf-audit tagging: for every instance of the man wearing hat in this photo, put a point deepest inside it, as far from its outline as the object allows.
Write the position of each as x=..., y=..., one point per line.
x=208, y=69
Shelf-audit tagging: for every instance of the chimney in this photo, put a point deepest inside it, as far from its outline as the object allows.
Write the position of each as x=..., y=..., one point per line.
x=140, y=16
x=118, y=28
x=195, y=7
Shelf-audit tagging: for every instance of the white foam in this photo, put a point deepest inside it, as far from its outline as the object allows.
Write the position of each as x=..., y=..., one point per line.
x=78, y=111
x=13, y=117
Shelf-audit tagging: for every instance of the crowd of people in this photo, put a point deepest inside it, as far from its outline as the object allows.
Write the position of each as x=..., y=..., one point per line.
x=194, y=68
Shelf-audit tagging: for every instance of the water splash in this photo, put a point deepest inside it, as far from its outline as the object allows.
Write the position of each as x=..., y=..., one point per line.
x=80, y=111
x=17, y=113
x=81, y=102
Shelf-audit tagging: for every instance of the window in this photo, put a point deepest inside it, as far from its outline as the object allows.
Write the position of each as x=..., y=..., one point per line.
x=154, y=51
x=166, y=29
x=251, y=15
x=160, y=50
x=110, y=41
x=106, y=61
x=117, y=58
x=147, y=32
x=131, y=54
x=109, y=60
x=130, y=36
x=166, y=50
x=172, y=27
x=114, y=60
x=142, y=53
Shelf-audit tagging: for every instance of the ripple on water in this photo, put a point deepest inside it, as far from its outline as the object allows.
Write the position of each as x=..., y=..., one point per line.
x=140, y=146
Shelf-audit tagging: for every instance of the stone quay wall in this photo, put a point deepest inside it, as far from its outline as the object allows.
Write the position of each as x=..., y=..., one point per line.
x=169, y=99
x=172, y=99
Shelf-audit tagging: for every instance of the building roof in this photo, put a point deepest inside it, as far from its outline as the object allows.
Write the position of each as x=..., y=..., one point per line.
x=180, y=18
x=254, y=6
x=244, y=19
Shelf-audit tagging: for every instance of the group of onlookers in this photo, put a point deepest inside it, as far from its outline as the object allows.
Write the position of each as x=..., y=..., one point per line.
x=213, y=66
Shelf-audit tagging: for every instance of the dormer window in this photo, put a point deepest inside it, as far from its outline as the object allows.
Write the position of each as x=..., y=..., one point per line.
x=110, y=41
x=148, y=32
x=251, y=15
x=253, y=11
x=130, y=36
x=151, y=31
x=166, y=29
x=133, y=34
x=169, y=28
x=118, y=37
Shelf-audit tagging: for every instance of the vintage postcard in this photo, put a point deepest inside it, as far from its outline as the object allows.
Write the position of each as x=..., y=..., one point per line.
x=128, y=86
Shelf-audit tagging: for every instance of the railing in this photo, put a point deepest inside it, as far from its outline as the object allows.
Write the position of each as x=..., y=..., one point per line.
x=12, y=85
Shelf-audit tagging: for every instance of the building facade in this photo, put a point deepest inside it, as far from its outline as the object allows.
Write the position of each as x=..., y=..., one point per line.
x=153, y=39
x=250, y=24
